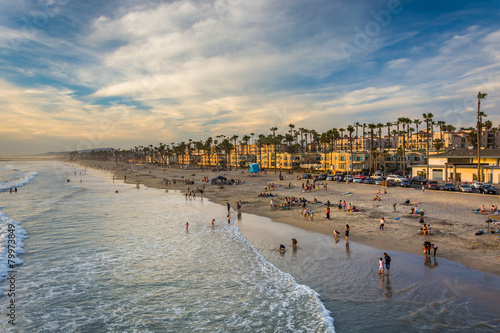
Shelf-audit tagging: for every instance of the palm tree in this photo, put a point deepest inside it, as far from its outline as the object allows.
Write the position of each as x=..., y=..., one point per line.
x=403, y=162
x=245, y=139
x=350, y=129
x=417, y=122
x=438, y=144
x=234, y=138
x=274, y=129
x=357, y=124
x=372, y=127
x=441, y=124
x=341, y=130
x=364, y=126
x=260, y=143
x=480, y=96
x=380, y=126
x=428, y=118
x=389, y=124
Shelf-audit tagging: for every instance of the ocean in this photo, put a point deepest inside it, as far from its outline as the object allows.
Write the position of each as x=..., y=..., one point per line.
x=93, y=255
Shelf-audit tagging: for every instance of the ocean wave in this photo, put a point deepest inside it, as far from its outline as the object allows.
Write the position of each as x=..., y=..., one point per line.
x=308, y=298
x=11, y=227
x=23, y=180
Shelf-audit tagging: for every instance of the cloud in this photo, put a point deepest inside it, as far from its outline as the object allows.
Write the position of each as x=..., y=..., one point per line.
x=170, y=71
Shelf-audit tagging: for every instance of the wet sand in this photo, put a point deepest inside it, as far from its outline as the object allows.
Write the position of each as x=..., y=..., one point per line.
x=451, y=215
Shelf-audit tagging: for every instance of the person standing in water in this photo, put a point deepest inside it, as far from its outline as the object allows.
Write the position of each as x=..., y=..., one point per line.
x=213, y=222
x=387, y=262
x=347, y=232
x=382, y=223
x=381, y=266
x=228, y=219
x=238, y=207
x=228, y=207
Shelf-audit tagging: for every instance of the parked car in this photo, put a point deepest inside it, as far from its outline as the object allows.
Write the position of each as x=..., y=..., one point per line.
x=368, y=180
x=449, y=187
x=338, y=177
x=476, y=185
x=418, y=180
x=360, y=176
x=404, y=183
x=396, y=178
x=348, y=178
x=465, y=188
x=306, y=176
x=322, y=176
x=391, y=182
x=357, y=179
x=488, y=189
x=432, y=185
x=378, y=181
x=330, y=178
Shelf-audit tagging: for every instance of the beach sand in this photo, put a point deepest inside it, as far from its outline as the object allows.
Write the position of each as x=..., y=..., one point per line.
x=451, y=215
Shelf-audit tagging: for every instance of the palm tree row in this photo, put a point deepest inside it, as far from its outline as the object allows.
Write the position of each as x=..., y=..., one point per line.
x=304, y=140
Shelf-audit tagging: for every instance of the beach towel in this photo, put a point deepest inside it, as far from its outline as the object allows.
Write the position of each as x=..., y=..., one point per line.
x=397, y=218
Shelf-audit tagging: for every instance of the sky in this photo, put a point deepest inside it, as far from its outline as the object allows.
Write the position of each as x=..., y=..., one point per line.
x=90, y=74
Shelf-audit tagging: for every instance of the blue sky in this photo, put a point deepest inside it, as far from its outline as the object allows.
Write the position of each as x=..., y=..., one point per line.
x=87, y=74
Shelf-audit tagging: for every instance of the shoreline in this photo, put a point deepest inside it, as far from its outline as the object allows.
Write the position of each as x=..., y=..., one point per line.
x=449, y=214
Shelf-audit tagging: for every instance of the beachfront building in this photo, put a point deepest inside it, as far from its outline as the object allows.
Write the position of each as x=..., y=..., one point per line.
x=461, y=166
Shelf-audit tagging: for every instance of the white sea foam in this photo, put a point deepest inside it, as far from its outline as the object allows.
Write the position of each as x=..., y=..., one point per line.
x=24, y=179
x=11, y=227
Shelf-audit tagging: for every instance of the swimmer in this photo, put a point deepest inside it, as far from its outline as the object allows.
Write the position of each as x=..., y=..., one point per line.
x=213, y=222
x=282, y=249
x=294, y=243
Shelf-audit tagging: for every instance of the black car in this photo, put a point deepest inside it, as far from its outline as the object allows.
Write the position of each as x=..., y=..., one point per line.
x=432, y=185
x=306, y=176
x=369, y=180
x=449, y=187
x=488, y=189
x=322, y=176
x=404, y=183
x=418, y=180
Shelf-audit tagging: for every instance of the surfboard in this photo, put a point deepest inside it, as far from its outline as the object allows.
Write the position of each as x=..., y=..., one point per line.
x=347, y=193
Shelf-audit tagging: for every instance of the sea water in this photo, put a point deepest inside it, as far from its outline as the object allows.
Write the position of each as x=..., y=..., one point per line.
x=94, y=260
x=108, y=257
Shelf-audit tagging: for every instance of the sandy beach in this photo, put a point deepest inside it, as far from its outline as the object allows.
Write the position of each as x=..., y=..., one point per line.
x=451, y=215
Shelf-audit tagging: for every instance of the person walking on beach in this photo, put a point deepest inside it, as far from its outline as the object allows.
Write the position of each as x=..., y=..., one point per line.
x=423, y=188
x=387, y=262
x=382, y=223
x=381, y=266
x=228, y=219
x=327, y=212
x=228, y=207
x=347, y=232
x=187, y=225
x=435, y=247
x=394, y=207
x=340, y=205
x=311, y=214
